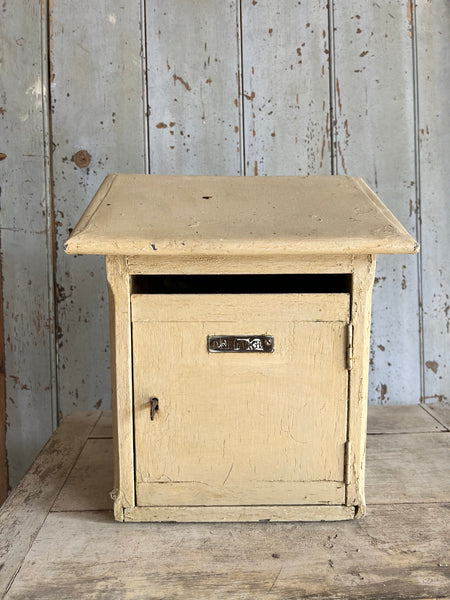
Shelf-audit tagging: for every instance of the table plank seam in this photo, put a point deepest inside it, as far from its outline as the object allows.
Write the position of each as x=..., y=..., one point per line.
x=13, y=578
x=71, y=469
x=369, y=504
x=446, y=432
x=421, y=502
x=424, y=407
x=83, y=510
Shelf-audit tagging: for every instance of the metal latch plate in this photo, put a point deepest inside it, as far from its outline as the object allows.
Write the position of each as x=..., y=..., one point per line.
x=240, y=343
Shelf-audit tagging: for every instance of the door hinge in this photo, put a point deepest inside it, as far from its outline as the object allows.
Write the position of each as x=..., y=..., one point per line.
x=347, y=461
x=349, y=347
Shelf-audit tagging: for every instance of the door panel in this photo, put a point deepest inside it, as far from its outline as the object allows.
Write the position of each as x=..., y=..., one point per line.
x=245, y=428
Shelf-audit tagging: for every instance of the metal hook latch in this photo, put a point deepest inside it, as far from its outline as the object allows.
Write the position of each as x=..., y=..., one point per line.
x=154, y=406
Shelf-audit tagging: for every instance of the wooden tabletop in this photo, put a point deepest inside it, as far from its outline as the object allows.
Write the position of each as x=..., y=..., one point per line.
x=59, y=539
x=165, y=215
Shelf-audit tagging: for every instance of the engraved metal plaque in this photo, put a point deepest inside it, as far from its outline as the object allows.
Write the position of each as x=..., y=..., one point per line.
x=240, y=343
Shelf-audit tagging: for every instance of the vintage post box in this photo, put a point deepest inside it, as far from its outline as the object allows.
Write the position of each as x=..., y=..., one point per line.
x=240, y=319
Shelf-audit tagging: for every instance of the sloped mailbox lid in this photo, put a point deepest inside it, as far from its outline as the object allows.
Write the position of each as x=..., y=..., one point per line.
x=212, y=215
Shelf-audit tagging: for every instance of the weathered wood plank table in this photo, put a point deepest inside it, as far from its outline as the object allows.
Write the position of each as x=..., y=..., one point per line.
x=59, y=538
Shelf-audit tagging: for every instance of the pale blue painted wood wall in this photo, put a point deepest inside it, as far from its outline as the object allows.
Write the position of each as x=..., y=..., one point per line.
x=250, y=87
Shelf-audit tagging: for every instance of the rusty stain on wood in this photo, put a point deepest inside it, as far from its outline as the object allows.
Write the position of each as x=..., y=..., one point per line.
x=338, y=91
x=182, y=81
x=432, y=365
x=409, y=10
x=82, y=159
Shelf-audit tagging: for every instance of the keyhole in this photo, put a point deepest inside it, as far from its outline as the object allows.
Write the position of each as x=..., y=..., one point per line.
x=154, y=406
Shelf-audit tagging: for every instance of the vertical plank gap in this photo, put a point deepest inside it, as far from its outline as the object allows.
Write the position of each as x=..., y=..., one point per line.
x=240, y=56
x=4, y=478
x=145, y=103
x=47, y=69
x=418, y=196
x=332, y=88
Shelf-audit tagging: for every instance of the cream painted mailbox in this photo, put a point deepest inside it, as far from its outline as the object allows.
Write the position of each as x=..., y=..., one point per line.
x=240, y=314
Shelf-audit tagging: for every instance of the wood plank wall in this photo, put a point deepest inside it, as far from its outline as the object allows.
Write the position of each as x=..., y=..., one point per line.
x=3, y=460
x=250, y=87
x=26, y=233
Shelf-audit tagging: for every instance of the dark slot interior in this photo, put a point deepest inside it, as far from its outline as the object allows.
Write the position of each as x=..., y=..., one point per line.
x=242, y=284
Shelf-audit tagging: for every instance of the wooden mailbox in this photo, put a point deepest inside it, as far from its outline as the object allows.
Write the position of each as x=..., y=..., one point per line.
x=240, y=319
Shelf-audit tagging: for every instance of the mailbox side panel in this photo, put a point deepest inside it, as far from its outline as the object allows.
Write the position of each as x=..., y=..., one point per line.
x=362, y=284
x=122, y=384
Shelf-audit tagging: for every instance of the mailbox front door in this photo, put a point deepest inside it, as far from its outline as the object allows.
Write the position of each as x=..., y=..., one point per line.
x=240, y=426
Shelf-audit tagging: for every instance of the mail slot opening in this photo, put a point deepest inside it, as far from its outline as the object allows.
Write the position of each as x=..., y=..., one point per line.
x=242, y=284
